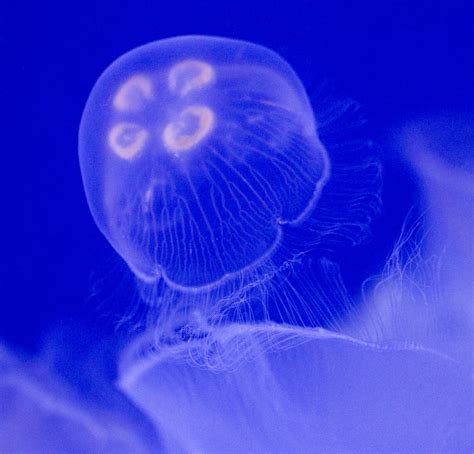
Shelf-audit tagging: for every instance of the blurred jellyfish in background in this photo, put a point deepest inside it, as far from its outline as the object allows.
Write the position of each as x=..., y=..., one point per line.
x=206, y=170
x=441, y=150
x=61, y=402
x=426, y=294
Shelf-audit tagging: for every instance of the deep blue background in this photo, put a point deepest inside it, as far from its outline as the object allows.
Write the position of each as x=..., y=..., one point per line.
x=399, y=59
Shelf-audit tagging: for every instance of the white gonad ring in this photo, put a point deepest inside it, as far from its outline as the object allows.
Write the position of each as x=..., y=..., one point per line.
x=179, y=79
x=132, y=95
x=127, y=139
x=193, y=124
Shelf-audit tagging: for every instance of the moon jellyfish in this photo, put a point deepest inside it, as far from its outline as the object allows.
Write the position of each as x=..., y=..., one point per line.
x=426, y=293
x=204, y=168
x=312, y=391
x=41, y=411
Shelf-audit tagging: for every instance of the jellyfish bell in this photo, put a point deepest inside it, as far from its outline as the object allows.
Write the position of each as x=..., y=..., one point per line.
x=195, y=151
x=202, y=166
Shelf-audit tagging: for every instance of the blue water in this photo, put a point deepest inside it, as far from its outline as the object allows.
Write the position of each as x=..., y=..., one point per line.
x=396, y=59
x=85, y=267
